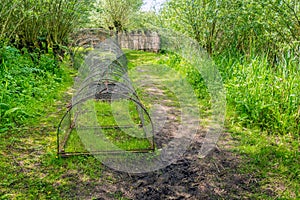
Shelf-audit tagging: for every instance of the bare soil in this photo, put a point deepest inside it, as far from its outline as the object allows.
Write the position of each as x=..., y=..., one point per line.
x=216, y=176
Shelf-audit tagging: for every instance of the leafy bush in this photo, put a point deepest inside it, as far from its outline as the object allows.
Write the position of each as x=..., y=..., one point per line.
x=25, y=83
x=245, y=26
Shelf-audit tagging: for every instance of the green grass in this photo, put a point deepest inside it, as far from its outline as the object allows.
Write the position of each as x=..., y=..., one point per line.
x=275, y=160
x=263, y=95
x=137, y=58
x=119, y=128
x=263, y=117
x=30, y=168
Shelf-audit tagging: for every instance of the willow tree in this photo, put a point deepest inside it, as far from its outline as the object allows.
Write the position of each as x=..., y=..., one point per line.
x=245, y=26
x=116, y=14
x=10, y=18
x=196, y=18
x=39, y=24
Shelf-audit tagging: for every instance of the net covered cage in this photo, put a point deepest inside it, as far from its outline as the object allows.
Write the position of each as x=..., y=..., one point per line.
x=106, y=114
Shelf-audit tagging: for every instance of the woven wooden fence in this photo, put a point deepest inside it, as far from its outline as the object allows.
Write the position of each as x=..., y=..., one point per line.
x=135, y=40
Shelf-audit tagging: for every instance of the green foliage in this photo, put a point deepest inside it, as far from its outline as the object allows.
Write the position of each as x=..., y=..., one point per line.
x=115, y=14
x=26, y=81
x=241, y=26
x=8, y=12
x=273, y=158
x=194, y=18
x=144, y=21
x=256, y=46
x=40, y=24
x=262, y=95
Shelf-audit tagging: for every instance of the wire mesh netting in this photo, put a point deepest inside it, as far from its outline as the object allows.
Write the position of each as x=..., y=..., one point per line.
x=108, y=120
x=106, y=114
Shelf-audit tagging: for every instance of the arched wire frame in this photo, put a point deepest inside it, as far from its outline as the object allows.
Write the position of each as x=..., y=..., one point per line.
x=106, y=114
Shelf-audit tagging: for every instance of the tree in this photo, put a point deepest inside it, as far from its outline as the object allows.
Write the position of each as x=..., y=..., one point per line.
x=245, y=26
x=39, y=24
x=116, y=14
x=196, y=18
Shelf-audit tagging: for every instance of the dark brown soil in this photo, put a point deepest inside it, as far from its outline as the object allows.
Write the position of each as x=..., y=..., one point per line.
x=214, y=177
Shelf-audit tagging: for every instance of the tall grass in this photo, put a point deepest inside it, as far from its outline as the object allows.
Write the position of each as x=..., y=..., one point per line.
x=263, y=95
x=259, y=94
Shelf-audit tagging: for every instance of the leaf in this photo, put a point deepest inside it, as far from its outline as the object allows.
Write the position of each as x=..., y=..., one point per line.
x=265, y=106
x=11, y=111
x=4, y=106
x=2, y=130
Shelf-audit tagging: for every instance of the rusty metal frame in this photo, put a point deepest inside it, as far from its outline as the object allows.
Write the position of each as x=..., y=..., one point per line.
x=105, y=89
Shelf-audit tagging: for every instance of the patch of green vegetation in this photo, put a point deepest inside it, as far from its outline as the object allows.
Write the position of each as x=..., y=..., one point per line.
x=275, y=160
x=263, y=96
x=112, y=139
x=263, y=114
x=74, y=143
x=137, y=58
x=29, y=166
x=117, y=126
x=28, y=83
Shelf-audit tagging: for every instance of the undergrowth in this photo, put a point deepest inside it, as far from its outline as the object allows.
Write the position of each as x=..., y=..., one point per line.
x=263, y=114
x=263, y=95
x=28, y=84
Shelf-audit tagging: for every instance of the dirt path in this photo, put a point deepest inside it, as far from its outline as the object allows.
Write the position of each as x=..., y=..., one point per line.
x=214, y=177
